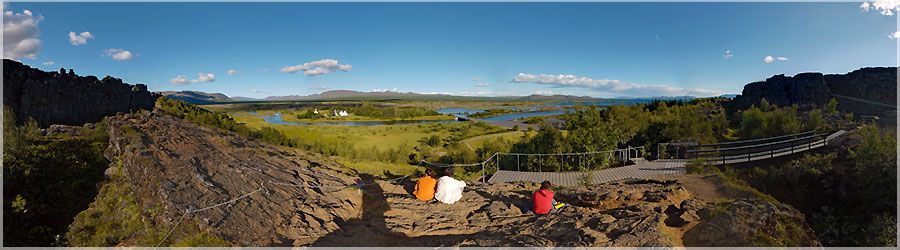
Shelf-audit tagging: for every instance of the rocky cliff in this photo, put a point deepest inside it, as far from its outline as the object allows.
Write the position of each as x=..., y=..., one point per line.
x=176, y=166
x=814, y=90
x=66, y=98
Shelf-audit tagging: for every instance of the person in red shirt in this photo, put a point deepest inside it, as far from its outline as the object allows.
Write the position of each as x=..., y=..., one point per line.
x=544, y=202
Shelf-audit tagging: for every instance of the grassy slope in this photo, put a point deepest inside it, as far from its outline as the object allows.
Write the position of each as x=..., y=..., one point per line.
x=509, y=136
x=365, y=137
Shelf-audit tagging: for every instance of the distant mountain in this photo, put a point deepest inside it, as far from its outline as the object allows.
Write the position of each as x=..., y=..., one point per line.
x=347, y=94
x=196, y=97
x=661, y=98
x=242, y=98
x=729, y=96
x=555, y=97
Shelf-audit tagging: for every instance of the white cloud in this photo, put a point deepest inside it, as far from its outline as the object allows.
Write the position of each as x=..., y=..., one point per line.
x=201, y=77
x=612, y=86
x=181, y=80
x=118, y=54
x=48, y=63
x=541, y=92
x=885, y=7
x=396, y=90
x=770, y=59
x=20, y=31
x=234, y=72
x=728, y=54
x=79, y=39
x=316, y=68
x=483, y=85
x=260, y=91
x=206, y=77
x=894, y=35
x=320, y=88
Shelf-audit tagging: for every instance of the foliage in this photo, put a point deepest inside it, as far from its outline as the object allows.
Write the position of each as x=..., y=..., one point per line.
x=850, y=202
x=876, y=167
x=47, y=179
x=491, y=113
x=199, y=115
x=831, y=107
x=769, y=121
x=367, y=110
x=816, y=122
x=590, y=129
x=431, y=141
x=115, y=218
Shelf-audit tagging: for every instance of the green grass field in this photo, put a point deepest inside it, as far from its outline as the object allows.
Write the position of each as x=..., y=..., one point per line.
x=509, y=136
x=382, y=137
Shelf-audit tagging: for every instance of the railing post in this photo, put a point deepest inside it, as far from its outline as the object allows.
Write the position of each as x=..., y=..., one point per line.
x=771, y=152
x=517, y=163
x=498, y=161
x=723, y=156
x=482, y=172
x=540, y=162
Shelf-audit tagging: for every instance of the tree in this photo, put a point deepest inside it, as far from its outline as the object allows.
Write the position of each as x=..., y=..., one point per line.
x=831, y=107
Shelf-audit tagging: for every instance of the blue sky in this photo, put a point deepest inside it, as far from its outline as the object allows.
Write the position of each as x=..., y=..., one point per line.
x=492, y=49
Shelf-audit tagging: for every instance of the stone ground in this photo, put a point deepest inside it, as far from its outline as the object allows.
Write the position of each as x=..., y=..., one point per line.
x=177, y=165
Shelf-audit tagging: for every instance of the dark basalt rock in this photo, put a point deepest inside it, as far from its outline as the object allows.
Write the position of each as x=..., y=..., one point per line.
x=814, y=90
x=66, y=98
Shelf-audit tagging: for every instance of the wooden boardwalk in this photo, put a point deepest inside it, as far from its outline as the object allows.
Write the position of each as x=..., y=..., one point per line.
x=778, y=152
x=644, y=169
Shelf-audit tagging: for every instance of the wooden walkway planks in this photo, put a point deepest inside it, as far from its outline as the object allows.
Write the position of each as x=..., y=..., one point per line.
x=641, y=170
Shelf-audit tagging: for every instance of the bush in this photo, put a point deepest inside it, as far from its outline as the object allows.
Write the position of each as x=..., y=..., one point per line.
x=47, y=180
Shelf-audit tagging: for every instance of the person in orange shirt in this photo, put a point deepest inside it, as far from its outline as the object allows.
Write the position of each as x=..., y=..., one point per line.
x=426, y=186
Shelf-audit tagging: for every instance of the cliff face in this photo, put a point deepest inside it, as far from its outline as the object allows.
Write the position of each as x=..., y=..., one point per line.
x=814, y=90
x=66, y=98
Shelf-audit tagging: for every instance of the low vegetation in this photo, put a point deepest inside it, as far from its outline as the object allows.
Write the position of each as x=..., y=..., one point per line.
x=366, y=110
x=115, y=218
x=849, y=202
x=47, y=180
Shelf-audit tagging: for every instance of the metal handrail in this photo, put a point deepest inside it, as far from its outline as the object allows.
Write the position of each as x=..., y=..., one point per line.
x=755, y=140
x=755, y=146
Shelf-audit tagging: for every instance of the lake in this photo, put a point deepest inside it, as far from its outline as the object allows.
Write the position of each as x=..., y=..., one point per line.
x=276, y=119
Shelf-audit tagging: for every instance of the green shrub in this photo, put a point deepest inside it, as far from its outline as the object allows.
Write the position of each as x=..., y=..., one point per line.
x=47, y=180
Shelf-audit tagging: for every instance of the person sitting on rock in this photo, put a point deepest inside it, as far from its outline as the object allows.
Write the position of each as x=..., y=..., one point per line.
x=426, y=186
x=449, y=190
x=544, y=202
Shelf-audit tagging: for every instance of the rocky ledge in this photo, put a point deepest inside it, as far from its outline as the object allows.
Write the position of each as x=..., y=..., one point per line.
x=176, y=165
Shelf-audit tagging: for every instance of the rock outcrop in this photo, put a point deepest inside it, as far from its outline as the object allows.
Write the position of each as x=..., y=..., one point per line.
x=176, y=166
x=815, y=90
x=68, y=99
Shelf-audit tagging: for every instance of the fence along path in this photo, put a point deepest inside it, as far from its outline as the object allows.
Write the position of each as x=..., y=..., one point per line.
x=640, y=170
x=766, y=149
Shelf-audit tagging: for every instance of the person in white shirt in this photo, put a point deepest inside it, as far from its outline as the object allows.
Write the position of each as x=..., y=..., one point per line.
x=449, y=190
